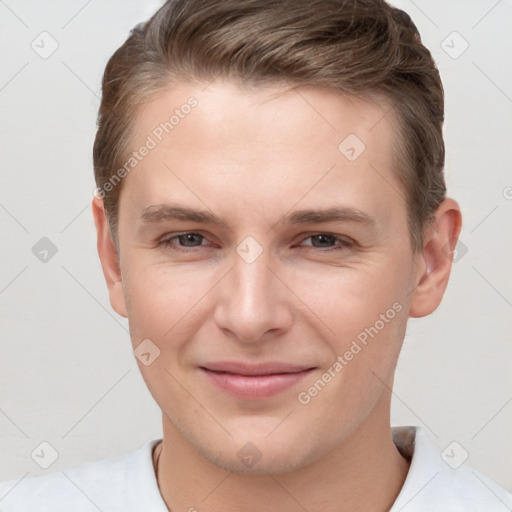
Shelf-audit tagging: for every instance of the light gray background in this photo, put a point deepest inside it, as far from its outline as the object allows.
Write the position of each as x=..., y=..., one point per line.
x=68, y=375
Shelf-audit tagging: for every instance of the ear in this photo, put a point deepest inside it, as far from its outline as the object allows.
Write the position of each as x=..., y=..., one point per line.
x=109, y=258
x=435, y=259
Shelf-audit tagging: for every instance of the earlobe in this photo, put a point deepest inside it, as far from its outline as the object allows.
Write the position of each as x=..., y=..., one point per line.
x=109, y=258
x=436, y=259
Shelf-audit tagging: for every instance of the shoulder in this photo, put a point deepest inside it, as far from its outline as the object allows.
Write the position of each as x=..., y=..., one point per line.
x=105, y=485
x=438, y=481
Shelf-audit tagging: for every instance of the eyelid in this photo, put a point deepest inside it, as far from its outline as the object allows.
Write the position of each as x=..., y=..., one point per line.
x=168, y=238
x=344, y=241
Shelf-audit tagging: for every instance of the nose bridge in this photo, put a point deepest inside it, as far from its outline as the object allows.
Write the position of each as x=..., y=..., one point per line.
x=252, y=302
x=252, y=282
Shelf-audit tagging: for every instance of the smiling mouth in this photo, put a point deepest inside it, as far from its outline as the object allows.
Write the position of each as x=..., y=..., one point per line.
x=251, y=382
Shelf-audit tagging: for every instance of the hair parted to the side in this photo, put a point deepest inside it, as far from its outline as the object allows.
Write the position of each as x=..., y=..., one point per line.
x=364, y=48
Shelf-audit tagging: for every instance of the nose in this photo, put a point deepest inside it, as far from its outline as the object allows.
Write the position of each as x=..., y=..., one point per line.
x=253, y=303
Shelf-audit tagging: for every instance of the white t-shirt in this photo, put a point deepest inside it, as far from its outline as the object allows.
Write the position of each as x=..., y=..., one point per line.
x=127, y=483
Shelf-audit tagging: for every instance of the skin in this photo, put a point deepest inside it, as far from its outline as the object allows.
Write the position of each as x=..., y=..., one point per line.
x=251, y=157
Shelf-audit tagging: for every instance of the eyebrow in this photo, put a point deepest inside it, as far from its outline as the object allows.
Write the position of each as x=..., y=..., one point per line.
x=334, y=214
x=160, y=213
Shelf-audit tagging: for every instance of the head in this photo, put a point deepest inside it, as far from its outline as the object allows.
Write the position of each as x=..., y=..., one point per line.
x=299, y=144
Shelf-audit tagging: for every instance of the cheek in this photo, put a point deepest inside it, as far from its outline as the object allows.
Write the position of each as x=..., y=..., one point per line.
x=365, y=347
x=365, y=311
x=162, y=301
x=372, y=320
x=348, y=300
x=164, y=307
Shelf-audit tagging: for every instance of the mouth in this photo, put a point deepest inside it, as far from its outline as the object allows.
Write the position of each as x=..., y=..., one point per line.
x=251, y=382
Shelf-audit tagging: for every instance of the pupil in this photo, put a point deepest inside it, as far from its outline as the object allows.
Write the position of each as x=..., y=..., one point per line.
x=324, y=240
x=189, y=239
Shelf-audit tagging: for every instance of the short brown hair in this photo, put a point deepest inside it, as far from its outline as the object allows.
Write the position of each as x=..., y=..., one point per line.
x=359, y=47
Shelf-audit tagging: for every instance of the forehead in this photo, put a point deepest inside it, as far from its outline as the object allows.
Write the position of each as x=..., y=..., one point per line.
x=219, y=138
x=222, y=108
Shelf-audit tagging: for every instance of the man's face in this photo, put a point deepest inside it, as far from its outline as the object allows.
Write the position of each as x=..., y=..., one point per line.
x=301, y=267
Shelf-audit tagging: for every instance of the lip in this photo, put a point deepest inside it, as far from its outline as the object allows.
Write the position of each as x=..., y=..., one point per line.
x=254, y=381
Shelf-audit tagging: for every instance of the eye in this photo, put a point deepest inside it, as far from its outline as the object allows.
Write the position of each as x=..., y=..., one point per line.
x=183, y=240
x=327, y=241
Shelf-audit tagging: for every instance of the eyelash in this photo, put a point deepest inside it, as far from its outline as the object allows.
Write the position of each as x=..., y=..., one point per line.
x=343, y=242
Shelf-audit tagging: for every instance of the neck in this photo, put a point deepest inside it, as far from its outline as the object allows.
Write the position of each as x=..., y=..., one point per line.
x=366, y=472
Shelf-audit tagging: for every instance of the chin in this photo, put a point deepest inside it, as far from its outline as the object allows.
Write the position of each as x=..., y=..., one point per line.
x=272, y=461
x=256, y=454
